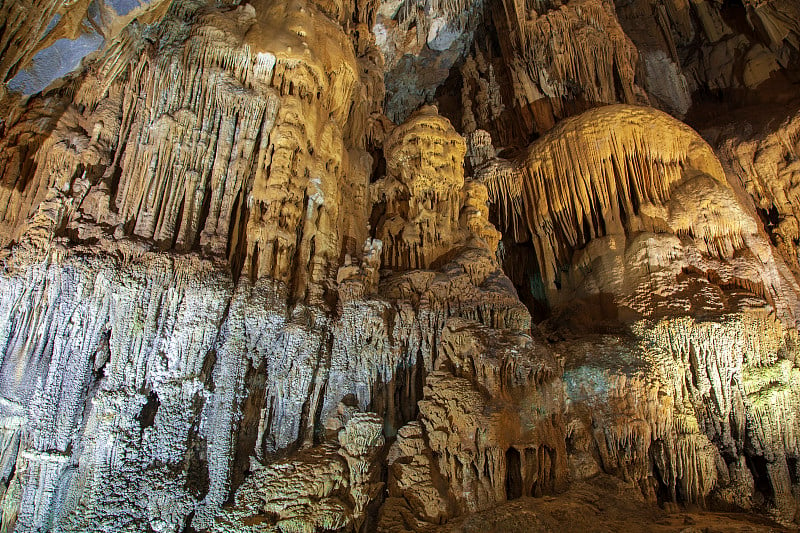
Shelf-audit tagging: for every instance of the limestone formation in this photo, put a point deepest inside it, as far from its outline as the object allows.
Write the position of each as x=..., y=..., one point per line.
x=766, y=165
x=424, y=197
x=420, y=41
x=399, y=265
x=565, y=51
x=639, y=213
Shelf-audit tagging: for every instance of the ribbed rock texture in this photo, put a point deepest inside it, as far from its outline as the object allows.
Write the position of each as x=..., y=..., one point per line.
x=388, y=265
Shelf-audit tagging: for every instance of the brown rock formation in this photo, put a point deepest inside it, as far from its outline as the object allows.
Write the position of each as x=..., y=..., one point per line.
x=236, y=296
x=428, y=210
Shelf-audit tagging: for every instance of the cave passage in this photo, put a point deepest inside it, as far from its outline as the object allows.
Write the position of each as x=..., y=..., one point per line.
x=513, y=474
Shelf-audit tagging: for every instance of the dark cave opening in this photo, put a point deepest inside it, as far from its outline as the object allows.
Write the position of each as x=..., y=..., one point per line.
x=770, y=216
x=236, y=246
x=759, y=468
x=147, y=415
x=205, y=209
x=513, y=474
x=792, y=464
x=519, y=263
x=734, y=13
x=396, y=400
x=196, y=456
x=662, y=489
x=248, y=425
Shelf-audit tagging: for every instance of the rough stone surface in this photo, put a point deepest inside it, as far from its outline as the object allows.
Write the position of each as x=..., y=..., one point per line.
x=399, y=266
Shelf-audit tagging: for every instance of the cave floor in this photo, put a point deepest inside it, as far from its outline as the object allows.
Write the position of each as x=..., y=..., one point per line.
x=605, y=504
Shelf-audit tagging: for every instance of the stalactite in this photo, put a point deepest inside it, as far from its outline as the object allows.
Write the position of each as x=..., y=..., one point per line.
x=578, y=174
x=576, y=52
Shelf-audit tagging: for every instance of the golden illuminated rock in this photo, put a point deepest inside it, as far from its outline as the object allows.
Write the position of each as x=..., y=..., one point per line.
x=374, y=265
x=424, y=194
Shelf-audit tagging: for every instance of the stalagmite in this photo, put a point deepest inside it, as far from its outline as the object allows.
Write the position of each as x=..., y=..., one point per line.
x=422, y=194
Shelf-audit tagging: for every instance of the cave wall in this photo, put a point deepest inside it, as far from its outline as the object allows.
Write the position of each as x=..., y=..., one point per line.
x=383, y=266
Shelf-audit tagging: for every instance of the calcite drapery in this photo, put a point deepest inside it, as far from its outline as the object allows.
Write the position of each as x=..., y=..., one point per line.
x=640, y=207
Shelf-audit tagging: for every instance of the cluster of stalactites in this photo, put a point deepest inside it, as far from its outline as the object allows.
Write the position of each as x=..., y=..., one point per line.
x=420, y=13
x=238, y=134
x=575, y=51
x=194, y=123
x=481, y=98
x=742, y=366
x=592, y=175
x=347, y=12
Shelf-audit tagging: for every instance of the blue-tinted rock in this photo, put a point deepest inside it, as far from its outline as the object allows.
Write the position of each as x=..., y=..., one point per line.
x=123, y=7
x=54, y=62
